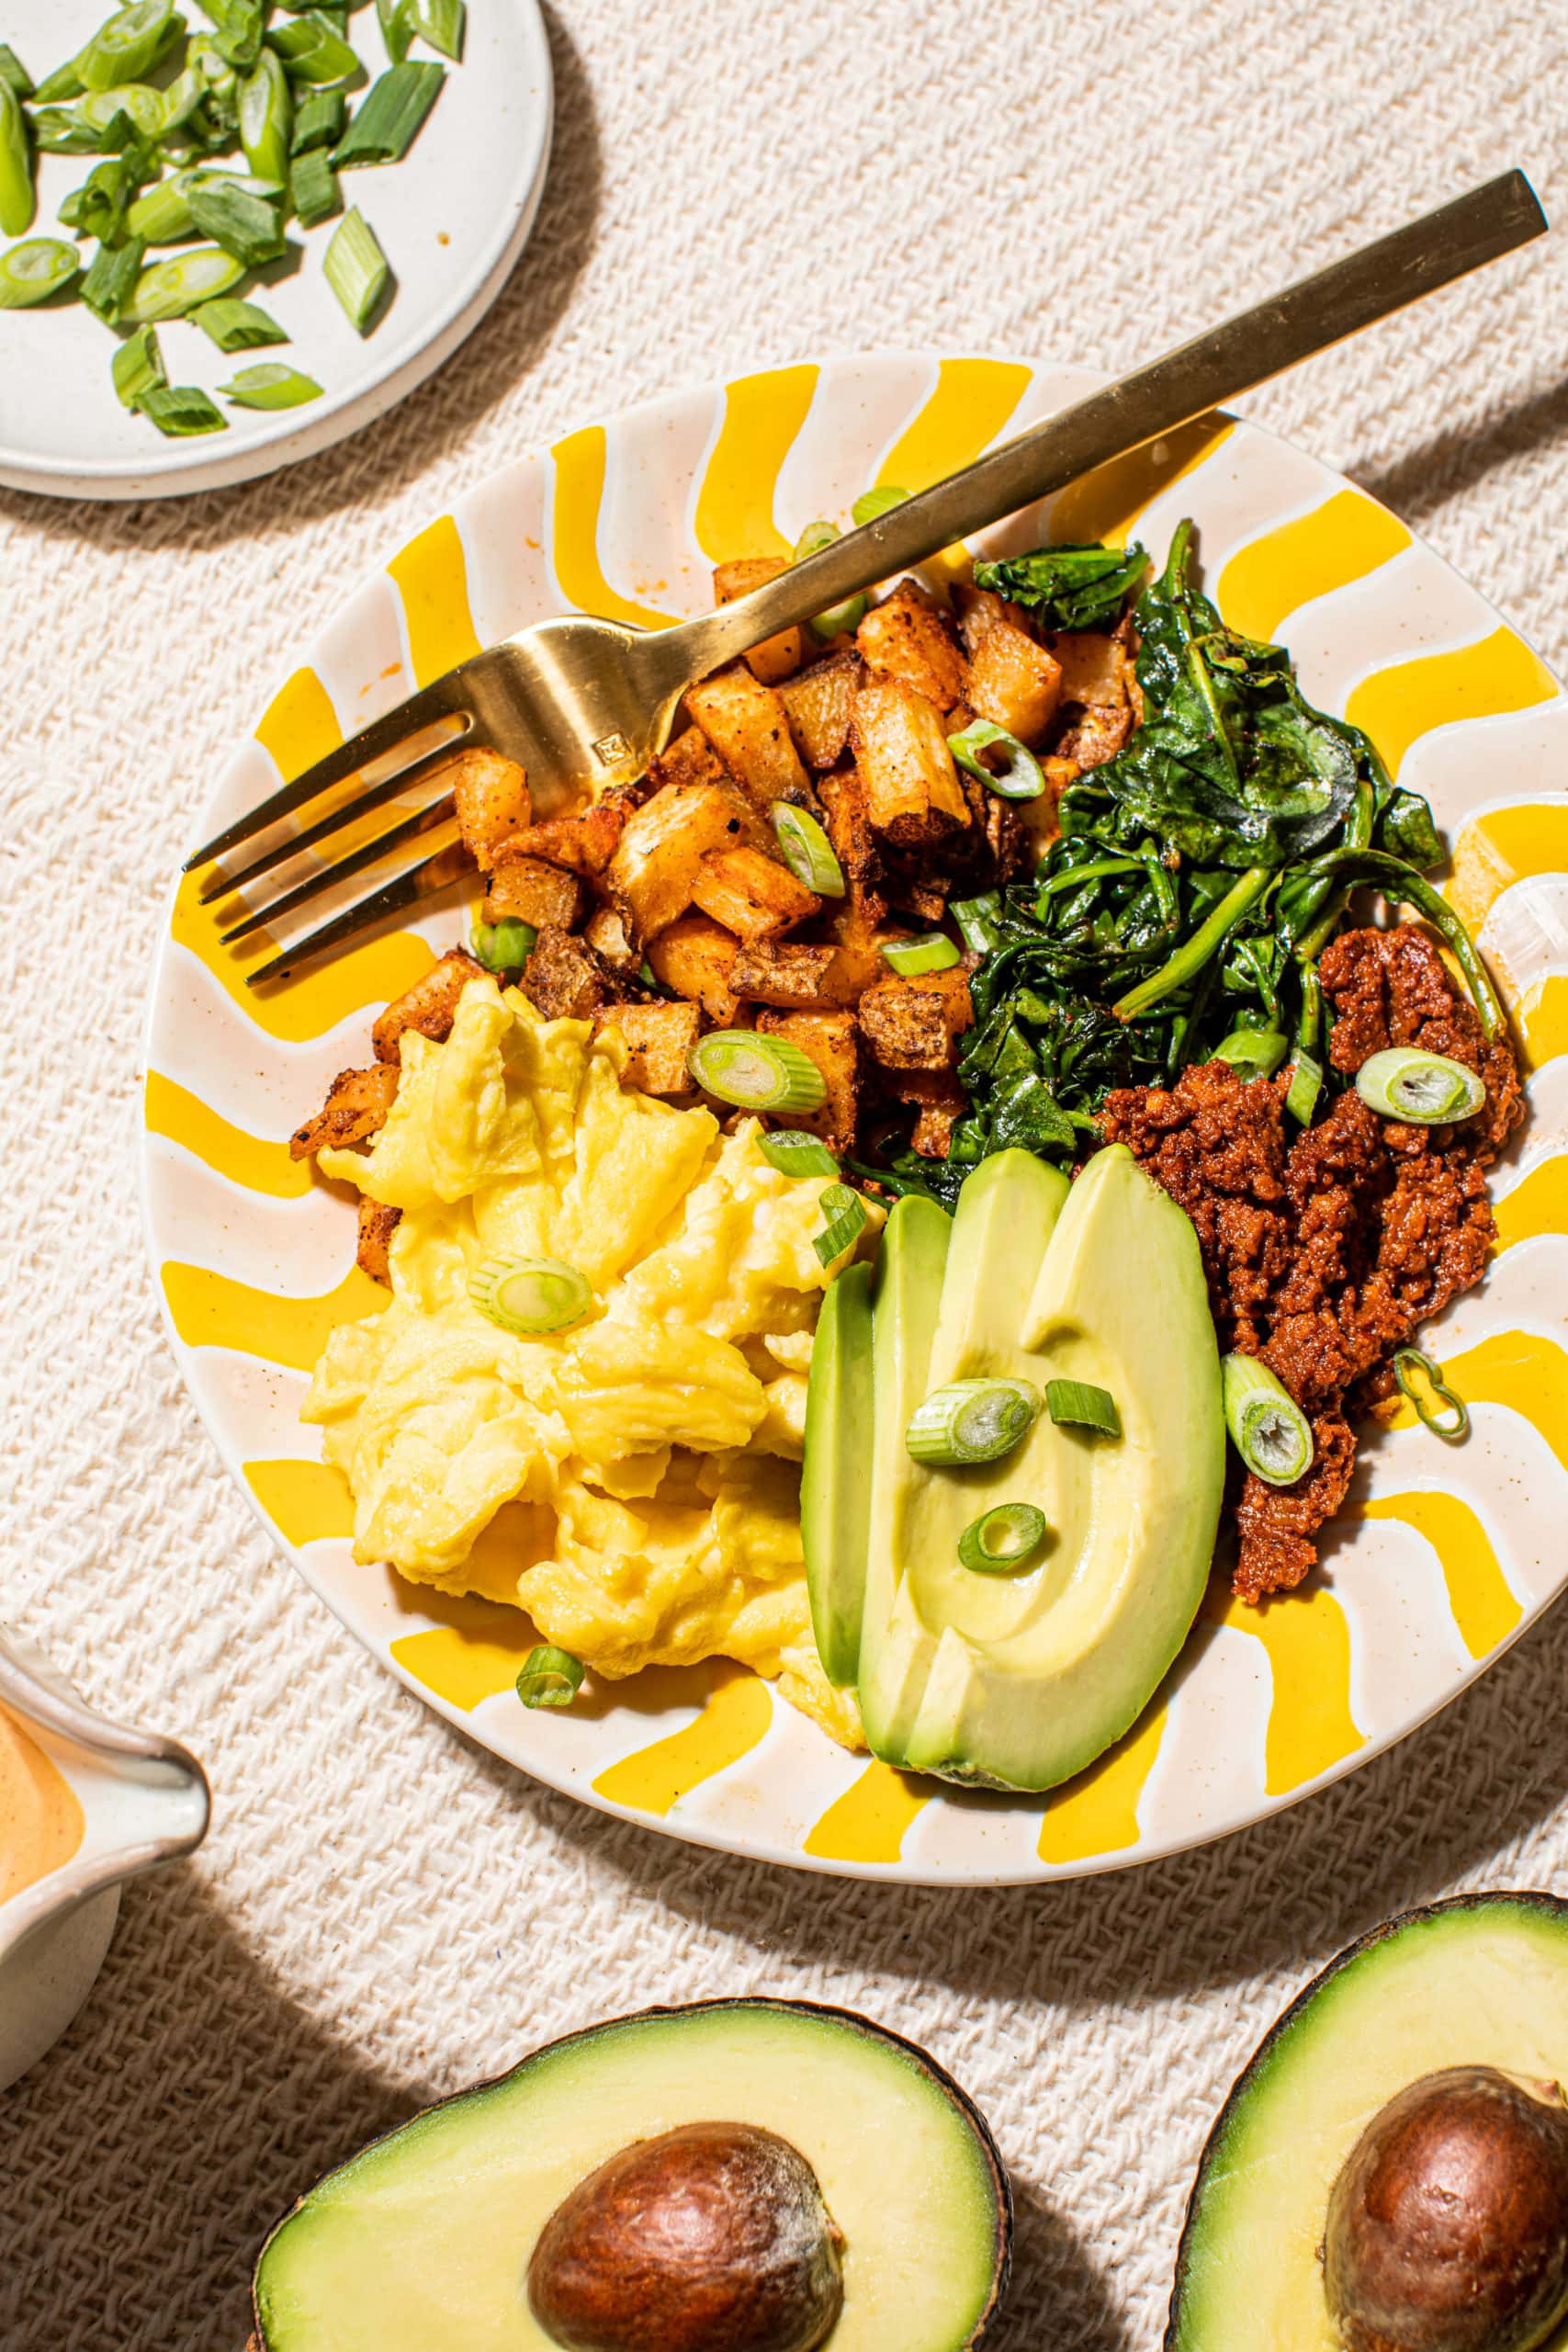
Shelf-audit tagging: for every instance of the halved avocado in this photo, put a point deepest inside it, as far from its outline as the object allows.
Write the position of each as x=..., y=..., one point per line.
x=456, y=2231
x=1385, y=2056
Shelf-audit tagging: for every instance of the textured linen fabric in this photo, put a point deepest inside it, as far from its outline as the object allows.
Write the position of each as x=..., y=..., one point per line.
x=383, y=1913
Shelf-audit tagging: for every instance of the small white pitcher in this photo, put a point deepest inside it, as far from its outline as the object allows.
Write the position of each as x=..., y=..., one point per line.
x=144, y=1800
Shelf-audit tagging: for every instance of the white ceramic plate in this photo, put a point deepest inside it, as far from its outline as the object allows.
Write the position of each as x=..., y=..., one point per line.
x=1444, y=1555
x=452, y=220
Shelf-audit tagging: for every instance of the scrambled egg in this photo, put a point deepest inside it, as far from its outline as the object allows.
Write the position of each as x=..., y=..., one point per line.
x=631, y=1483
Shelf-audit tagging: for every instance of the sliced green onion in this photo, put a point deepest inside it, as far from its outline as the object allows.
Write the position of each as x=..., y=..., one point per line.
x=267, y=116
x=313, y=188
x=1420, y=1090
x=18, y=197
x=181, y=410
x=1078, y=1404
x=181, y=100
x=1267, y=1426
x=976, y=920
x=319, y=121
x=807, y=851
x=271, y=385
x=794, y=1154
x=872, y=502
x=1022, y=779
x=813, y=539
x=760, y=1073
x=530, y=1296
x=845, y=1214
x=972, y=1420
x=172, y=288
x=14, y=73
x=111, y=281
x=384, y=127
x=1255, y=1052
x=1001, y=1541
x=838, y=620
x=127, y=46
x=934, y=952
x=137, y=367
x=313, y=50
x=31, y=273
x=98, y=207
x=503, y=946
x=1450, y=1419
x=355, y=268
x=237, y=326
x=551, y=1677
x=396, y=19
x=244, y=225
x=442, y=23
x=1306, y=1085
x=162, y=215
x=142, y=105
x=59, y=130
x=649, y=978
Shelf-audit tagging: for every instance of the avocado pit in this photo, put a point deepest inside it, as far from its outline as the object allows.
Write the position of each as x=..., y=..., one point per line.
x=1447, y=2224
x=714, y=2237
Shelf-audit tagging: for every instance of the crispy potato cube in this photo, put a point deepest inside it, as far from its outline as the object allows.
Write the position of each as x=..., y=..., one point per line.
x=1094, y=668
x=586, y=842
x=911, y=1023
x=980, y=610
x=1013, y=682
x=494, y=807
x=786, y=974
x=377, y=1226
x=907, y=638
x=1097, y=736
x=818, y=704
x=779, y=656
x=745, y=722
x=912, y=792
x=829, y=1039
x=651, y=877
x=695, y=957
x=561, y=979
x=430, y=1006
x=854, y=845
x=357, y=1106
x=657, y=1038
x=524, y=889
x=688, y=758
x=606, y=934
x=751, y=894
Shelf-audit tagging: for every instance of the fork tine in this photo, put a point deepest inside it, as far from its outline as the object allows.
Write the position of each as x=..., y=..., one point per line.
x=423, y=881
x=369, y=852
x=403, y=780
x=441, y=699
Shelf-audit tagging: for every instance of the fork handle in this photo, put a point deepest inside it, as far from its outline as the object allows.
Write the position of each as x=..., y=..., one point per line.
x=1307, y=317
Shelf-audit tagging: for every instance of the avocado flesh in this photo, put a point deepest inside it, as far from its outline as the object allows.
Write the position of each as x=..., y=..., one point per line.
x=1021, y=1680
x=1483, y=1981
x=835, y=1493
x=421, y=2242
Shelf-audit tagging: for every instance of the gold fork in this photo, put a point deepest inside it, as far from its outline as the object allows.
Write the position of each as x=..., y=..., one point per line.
x=583, y=705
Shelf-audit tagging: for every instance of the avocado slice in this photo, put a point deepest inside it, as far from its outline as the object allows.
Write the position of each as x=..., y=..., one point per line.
x=835, y=1493
x=1018, y=1681
x=1478, y=1982
x=425, y=2241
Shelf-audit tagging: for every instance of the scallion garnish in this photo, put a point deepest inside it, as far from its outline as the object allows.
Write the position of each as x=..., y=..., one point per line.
x=14, y=73
x=234, y=325
x=397, y=28
x=134, y=103
x=313, y=188
x=551, y=1677
x=934, y=952
x=172, y=288
x=807, y=851
x=503, y=946
x=162, y=215
x=530, y=1296
x=59, y=88
x=246, y=226
x=794, y=1154
x=846, y=1221
x=1450, y=1418
x=31, y=272
x=1002, y=1541
x=313, y=50
x=355, y=268
x=384, y=127
x=838, y=620
x=442, y=23
x=872, y=502
x=271, y=385
x=1267, y=1426
x=319, y=121
x=1020, y=777
x=1420, y=1090
x=1306, y=1085
x=127, y=46
x=1255, y=1052
x=111, y=281
x=267, y=116
x=137, y=367
x=181, y=410
x=758, y=1072
x=1078, y=1404
x=972, y=1420
x=18, y=198
x=977, y=918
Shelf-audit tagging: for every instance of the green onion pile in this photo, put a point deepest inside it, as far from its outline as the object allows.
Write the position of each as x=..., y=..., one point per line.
x=212, y=141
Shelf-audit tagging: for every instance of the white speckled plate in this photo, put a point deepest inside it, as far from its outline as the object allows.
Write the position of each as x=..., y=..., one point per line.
x=1445, y=1554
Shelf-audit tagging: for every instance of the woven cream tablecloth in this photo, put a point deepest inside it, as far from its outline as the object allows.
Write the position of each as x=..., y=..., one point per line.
x=383, y=1913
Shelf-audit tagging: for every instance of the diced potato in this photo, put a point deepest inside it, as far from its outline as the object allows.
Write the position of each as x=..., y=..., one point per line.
x=377, y=1226
x=829, y=1039
x=586, y=842
x=606, y=934
x=492, y=800
x=980, y=610
x=1094, y=668
x=912, y=792
x=657, y=1038
x=907, y=638
x=751, y=894
x=689, y=758
x=776, y=657
x=1013, y=682
x=854, y=845
x=651, y=876
x=695, y=957
x=356, y=1108
x=1095, y=737
x=787, y=974
x=744, y=721
x=818, y=704
x=430, y=1006
x=561, y=979
x=939, y=1101
x=912, y=1023
x=524, y=889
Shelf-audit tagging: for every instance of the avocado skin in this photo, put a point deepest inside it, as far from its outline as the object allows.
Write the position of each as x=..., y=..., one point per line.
x=942, y=2081
x=1550, y=1908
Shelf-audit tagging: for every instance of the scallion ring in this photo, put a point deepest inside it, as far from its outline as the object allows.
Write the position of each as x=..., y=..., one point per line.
x=933, y=952
x=1450, y=1420
x=976, y=920
x=1267, y=1426
x=126, y=46
x=845, y=1215
x=551, y=1677
x=1002, y=1541
x=838, y=620
x=807, y=851
x=1419, y=1089
x=530, y=1296
x=271, y=385
x=31, y=272
x=794, y=1154
x=759, y=1073
x=872, y=502
x=172, y=288
x=1255, y=1052
x=1022, y=779
x=1306, y=1084
x=972, y=1420
x=357, y=269
x=503, y=946
x=1079, y=1404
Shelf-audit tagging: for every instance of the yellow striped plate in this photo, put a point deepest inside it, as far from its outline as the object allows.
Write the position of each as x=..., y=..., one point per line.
x=1444, y=1556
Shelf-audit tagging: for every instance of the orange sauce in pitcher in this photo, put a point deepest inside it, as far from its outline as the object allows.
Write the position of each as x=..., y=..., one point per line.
x=41, y=1819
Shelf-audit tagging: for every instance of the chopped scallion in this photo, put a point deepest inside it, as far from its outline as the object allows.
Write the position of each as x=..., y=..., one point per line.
x=267, y=116
x=14, y=73
x=111, y=281
x=976, y=920
x=384, y=126
x=758, y=1072
x=1020, y=777
x=551, y=1677
x=807, y=851
x=1267, y=1426
x=357, y=269
x=503, y=946
x=180, y=409
x=1306, y=1084
x=794, y=1154
x=313, y=188
x=60, y=86
x=972, y=1420
x=530, y=1296
x=1420, y=1090
x=137, y=367
x=395, y=20
x=1420, y=1381
x=31, y=273
x=162, y=215
x=312, y=51
x=247, y=226
x=846, y=1220
x=934, y=952
x=271, y=385
x=1255, y=1052
x=872, y=502
x=319, y=121
x=442, y=23
x=127, y=46
x=838, y=620
x=234, y=325
x=1003, y=1540
x=18, y=197
x=138, y=101
x=172, y=288
x=59, y=131
x=1078, y=1404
